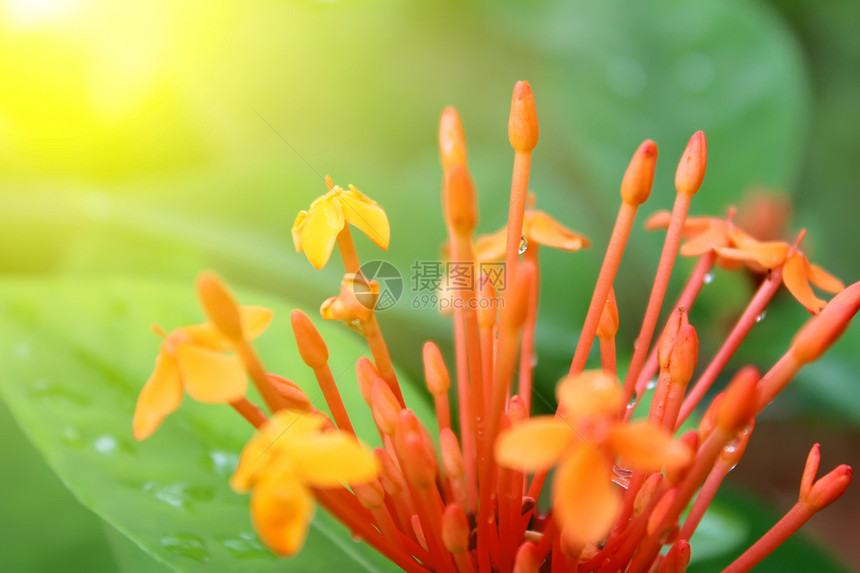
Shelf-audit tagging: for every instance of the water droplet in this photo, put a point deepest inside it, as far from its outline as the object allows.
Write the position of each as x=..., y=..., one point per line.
x=186, y=545
x=651, y=384
x=621, y=476
x=708, y=278
x=247, y=546
x=524, y=244
x=634, y=399
x=220, y=462
x=105, y=444
x=179, y=495
x=761, y=316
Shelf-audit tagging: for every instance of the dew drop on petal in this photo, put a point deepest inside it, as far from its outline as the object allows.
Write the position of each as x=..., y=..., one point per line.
x=524, y=244
x=651, y=384
x=708, y=278
x=105, y=444
x=761, y=316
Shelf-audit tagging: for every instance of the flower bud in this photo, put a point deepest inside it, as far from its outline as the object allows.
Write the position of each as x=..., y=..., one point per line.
x=311, y=345
x=523, y=124
x=691, y=168
x=416, y=455
x=452, y=139
x=678, y=349
x=370, y=494
x=294, y=397
x=459, y=199
x=646, y=492
x=435, y=371
x=821, y=331
x=455, y=529
x=527, y=560
x=385, y=406
x=389, y=474
x=487, y=310
x=639, y=177
x=219, y=305
x=608, y=325
x=517, y=410
x=452, y=457
x=829, y=488
x=366, y=373
x=739, y=402
x=660, y=511
x=677, y=558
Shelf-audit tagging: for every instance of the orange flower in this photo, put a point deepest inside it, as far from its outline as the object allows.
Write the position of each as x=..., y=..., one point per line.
x=797, y=271
x=538, y=228
x=583, y=441
x=290, y=454
x=703, y=234
x=194, y=358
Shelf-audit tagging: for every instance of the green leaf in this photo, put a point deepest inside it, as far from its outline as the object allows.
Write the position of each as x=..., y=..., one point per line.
x=76, y=354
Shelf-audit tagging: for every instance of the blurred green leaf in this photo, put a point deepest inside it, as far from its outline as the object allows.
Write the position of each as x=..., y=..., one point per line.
x=75, y=355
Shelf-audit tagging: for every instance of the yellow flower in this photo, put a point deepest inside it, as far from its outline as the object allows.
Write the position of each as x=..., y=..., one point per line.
x=582, y=441
x=292, y=453
x=315, y=230
x=194, y=358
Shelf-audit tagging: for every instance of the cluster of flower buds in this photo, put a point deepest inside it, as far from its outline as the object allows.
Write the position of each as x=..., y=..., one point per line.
x=462, y=494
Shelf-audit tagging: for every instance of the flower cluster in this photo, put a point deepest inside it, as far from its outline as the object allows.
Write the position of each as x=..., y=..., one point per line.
x=467, y=498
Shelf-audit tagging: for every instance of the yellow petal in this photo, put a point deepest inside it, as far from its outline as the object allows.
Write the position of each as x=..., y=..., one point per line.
x=535, y=444
x=206, y=335
x=586, y=504
x=209, y=376
x=592, y=393
x=824, y=280
x=270, y=443
x=545, y=230
x=255, y=320
x=330, y=459
x=796, y=280
x=491, y=247
x=319, y=233
x=296, y=231
x=645, y=446
x=366, y=216
x=282, y=510
x=160, y=396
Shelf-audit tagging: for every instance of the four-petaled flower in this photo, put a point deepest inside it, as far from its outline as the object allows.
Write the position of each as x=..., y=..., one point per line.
x=292, y=453
x=582, y=440
x=315, y=230
x=195, y=358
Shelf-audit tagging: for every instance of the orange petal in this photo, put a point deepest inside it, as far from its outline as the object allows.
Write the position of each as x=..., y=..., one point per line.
x=160, y=396
x=586, y=504
x=824, y=280
x=545, y=230
x=659, y=220
x=535, y=444
x=647, y=447
x=210, y=377
x=491, y=247
x=796, y=279
x=366, y=216
x=330, y=459
x=768, y=255
x=741, y=238
x=715, y=236
x=592, y=393
x=282, y=509
x=320, y=230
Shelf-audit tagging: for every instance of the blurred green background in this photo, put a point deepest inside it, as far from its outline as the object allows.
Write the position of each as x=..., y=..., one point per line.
x=154, y=139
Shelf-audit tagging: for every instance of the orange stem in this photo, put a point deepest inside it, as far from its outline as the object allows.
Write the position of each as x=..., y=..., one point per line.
x=250, y=412
x=517, y=209
x=776, y=536
x=332, y=398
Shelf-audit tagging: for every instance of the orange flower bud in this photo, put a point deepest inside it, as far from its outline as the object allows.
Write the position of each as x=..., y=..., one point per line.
x=523, y=124
x=639, y=177
x=739, y=403
x=691, y=168
x=660, y=511
x=452, y=457
x=487, y=310
x=386, y=408
x=435, y=371
x=311, y=345
x=517, y=410
x=646, y=492
x=608, y=325
x=527, y=560
x=677, y=558
x=452, y=139
x=366, y=373
x=459, y=200
x=219, y=305
x=709, y=420
x=389, y=474
x=678, y=349
x=821, y=493
x=419, y=531
x=821, y=331
x=295, y=398
x=734, y=450
x=455, y=529
x=371, y=494
x=416, y=455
